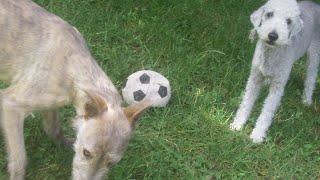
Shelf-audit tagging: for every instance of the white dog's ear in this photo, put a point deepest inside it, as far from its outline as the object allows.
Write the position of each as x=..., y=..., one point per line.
x=256, y=19
x=296, y=27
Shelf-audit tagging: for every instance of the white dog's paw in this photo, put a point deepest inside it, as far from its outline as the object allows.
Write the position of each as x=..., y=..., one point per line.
x=307, y=99
x=257, y=136
x=306, y=102
x=235, y=126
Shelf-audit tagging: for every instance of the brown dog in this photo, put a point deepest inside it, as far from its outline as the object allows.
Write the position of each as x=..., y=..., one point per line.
x=47, y=64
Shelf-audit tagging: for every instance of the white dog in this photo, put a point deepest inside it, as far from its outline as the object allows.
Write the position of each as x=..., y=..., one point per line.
x=286, y=30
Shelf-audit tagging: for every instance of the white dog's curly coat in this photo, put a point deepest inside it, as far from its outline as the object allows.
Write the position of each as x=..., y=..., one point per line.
x=286, y=30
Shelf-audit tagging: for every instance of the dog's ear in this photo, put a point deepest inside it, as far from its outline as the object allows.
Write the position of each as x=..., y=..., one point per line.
x=256, y=20
x=256, y=17
x=96, y=104
x=296, y=27
x=135, y=111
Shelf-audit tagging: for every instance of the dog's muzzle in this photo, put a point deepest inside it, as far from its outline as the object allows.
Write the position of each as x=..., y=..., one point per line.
x=273, y=36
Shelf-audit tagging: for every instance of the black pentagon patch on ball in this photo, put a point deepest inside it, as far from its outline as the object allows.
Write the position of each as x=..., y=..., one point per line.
x=144, y=78
x=138, y=95
x=163, y=91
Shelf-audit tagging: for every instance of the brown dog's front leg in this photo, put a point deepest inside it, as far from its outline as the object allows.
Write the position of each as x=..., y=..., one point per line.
x=52, y=127
x=12, y=120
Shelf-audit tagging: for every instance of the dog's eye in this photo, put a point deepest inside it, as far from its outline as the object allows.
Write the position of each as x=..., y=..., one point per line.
x=269, y=14
x=289, y=21
x=86, y=153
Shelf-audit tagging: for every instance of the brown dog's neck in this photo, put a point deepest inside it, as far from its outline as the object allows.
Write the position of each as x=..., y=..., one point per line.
x=88, y=76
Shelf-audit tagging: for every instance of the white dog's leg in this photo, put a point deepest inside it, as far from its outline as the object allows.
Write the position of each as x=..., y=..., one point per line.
x=251, y=93
x=270, y=107
x=312, y=73
x=12, y=125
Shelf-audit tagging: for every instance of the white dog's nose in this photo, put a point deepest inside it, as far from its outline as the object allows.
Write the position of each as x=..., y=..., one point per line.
x=273, y=36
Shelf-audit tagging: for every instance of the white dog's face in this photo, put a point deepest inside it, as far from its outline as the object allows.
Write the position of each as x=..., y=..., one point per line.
x=277, y=21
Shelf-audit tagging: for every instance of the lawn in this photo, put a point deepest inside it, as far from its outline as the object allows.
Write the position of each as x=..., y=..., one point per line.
x=202, y=47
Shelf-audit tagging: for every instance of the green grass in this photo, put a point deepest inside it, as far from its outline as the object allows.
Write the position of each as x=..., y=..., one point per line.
x=201, y=46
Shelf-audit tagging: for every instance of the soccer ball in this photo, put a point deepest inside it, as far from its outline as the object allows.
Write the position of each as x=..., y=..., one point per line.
x=147, y=84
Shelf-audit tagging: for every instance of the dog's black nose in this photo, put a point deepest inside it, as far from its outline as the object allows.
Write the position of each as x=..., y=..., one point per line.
x=273, y=36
